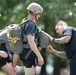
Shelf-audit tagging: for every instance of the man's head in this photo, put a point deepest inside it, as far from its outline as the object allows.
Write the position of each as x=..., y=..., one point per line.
x=60, y=26
x=35, y=9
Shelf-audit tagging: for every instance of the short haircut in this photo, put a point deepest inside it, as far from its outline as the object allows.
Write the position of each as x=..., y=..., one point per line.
x=62, y=22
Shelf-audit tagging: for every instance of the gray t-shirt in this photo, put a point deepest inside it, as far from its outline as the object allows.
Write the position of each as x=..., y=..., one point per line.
x=70, y=47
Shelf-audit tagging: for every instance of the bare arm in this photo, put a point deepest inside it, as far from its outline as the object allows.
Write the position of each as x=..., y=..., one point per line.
x=62, y=40
x=33, y=45
x=15, y=59
x=34, y=49
x=61, y=54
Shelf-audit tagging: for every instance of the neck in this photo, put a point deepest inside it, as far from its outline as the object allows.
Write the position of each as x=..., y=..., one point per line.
x=31, y=17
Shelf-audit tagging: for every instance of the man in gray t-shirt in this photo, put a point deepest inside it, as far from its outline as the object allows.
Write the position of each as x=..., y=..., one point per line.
x=68, y=40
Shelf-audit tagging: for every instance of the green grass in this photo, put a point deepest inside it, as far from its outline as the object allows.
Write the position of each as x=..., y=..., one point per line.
x=2, y=73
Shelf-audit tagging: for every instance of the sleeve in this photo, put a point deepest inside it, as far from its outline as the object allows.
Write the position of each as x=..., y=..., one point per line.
x=30, y=28
x=68, y=31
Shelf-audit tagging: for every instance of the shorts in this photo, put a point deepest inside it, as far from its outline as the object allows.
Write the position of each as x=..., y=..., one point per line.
x=31, y=59
x=3, y=61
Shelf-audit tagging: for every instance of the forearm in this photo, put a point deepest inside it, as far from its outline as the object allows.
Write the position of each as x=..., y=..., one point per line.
x=15, y=59
x=33, y=45
x=60, y=54
x=34, y=48
x=62, y=40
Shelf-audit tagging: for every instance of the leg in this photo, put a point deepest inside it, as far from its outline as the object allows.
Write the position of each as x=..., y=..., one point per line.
x=5, y=63
x=8, y=69
x=30, y=71
x=29, y=63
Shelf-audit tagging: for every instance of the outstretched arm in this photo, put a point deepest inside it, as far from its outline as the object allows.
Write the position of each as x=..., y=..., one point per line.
x=62, y=40
x=50, y=37
x=57, y=53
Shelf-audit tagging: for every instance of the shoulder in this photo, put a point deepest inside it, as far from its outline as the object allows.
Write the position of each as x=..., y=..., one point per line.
x=68, y=31
x=26, y=20
x=31, y=23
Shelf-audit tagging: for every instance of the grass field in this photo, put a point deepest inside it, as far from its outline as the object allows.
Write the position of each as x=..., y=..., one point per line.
x=2, y=73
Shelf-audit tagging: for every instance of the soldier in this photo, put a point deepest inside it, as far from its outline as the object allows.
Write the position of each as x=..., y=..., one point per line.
x=31, y=31
x=5, y=62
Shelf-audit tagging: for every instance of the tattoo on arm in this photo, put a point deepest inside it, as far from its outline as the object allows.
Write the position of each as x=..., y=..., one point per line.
x=60, y=54
x=63, y=40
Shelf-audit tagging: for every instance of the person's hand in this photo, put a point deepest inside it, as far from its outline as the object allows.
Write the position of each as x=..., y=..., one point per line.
x=40, y=60
x=50, y=37
x=15, y=69
x=3, y=54
x=50, y=48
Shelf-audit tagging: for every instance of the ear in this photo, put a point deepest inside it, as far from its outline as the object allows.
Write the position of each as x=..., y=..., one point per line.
x=55, y=27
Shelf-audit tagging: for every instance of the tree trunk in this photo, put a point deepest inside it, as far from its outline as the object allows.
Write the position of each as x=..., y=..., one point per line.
x=43, y=70
x=58, y=63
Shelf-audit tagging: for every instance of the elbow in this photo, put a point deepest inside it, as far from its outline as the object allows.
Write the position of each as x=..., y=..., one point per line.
x=30, y=39
x=31, y=43
x=67, y=39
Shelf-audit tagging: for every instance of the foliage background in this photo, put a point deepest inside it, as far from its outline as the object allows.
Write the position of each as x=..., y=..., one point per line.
x=13, y=11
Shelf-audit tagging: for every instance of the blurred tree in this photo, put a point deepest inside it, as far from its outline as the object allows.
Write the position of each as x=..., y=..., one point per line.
x=12, y=11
